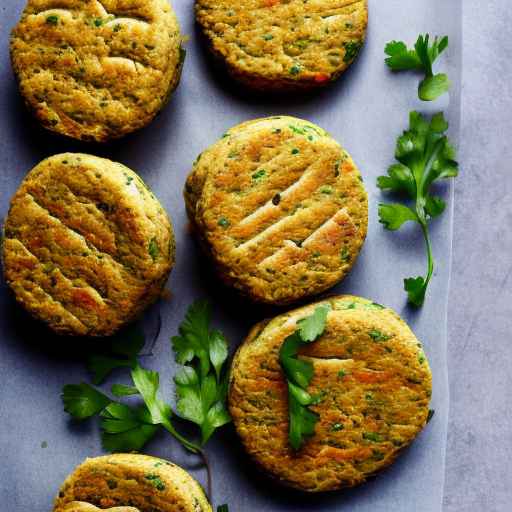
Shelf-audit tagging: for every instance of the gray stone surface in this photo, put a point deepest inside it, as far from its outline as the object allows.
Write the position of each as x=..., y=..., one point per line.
x=479, y=462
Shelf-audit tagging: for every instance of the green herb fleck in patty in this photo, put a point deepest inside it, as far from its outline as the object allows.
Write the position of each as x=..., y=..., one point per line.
x=153, y=249
x=352, y=48
x=372, y=436
x=345, y=255
x=377, y=335
x=53, y=19
x=223, y=222
x=259, y=174
x=156, y=482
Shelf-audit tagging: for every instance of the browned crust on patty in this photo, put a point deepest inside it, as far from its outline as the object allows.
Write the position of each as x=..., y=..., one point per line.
x=284, y=45
x=80, y=506
x=280, y=208
x=96, y=70
x=374, y=386
x=87, y=245
x=146, y=483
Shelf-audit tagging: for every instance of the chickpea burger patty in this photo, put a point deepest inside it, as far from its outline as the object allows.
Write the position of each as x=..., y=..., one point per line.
x=96, y=70
x=284, y=44
x=280, y=207
x=130, y=483
x=372, y=382
x=87, y=246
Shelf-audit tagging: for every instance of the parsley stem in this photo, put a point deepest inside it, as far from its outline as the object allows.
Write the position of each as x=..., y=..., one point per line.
x=194, y=448
x=206, y=463
x=189, y=445
x=430, y=256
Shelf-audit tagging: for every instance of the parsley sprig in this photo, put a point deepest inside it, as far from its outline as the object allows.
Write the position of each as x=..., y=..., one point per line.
x=202, y=383
x=421, y=57
x=125, y=427
x=299, y=374
x=424, y=156
x=201, y=388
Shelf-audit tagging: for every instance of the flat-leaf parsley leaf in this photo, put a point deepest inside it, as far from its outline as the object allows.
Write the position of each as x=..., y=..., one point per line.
x=421, y=57
x=124, y=428
x=299, y=374
x=201, y=384
x=201, y=388
x=424, y=155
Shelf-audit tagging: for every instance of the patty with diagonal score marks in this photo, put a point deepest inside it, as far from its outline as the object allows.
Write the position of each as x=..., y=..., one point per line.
x=133, y=482
x=372, y=382
x=280, y=207
x=284, y=44
x=96, y=69
x=87, y=246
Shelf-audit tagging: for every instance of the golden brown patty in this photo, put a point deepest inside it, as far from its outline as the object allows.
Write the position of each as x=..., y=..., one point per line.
x=96, y=70
x=280, y=207
x=373, y=382
x=87, y=245
x=284, y=44
x=80, y=506
x=127, y=480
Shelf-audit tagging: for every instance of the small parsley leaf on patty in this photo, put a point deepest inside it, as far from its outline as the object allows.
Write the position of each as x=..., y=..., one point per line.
x=299, y=374
x=424, y=156
x=422, y=58
x=313, y=326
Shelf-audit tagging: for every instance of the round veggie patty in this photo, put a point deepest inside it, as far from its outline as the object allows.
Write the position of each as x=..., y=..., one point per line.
x=372, y=384
x=284, y=44
x=147, y=484
x=280, y=207
x=96, y=70
x=80, y=506
x=87, y=246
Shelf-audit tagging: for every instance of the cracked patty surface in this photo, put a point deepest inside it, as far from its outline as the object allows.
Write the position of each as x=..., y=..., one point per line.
x=284, y=44
x=87, y=246
x=280, y=207
x=96, y=70
x=130, y=483
x=373, y=384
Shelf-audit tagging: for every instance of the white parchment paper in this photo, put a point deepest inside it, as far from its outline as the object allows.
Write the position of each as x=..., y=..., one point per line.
x=365, y=111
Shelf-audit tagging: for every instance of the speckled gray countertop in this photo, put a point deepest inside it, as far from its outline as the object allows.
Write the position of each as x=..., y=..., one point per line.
x=479, y=458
